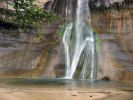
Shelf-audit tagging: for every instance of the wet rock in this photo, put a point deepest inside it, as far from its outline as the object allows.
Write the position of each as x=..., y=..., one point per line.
x=105, y=78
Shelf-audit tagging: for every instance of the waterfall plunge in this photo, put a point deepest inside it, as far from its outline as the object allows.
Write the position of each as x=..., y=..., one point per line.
x=79, y=42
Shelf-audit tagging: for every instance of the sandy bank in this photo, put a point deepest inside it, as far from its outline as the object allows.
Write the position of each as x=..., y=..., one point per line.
x=64, y=93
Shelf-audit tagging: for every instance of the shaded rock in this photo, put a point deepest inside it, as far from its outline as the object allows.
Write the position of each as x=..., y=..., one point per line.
x=105, y=78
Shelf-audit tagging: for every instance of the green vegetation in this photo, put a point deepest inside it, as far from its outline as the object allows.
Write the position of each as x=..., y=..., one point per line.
x=62, y=30
x=97, y=39
x=27, y=15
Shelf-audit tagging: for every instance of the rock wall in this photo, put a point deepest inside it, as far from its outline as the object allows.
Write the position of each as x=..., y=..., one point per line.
x=115, y=46
x=27, y=56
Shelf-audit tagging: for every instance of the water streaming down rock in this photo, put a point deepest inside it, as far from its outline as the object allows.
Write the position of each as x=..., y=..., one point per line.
x=79, y=42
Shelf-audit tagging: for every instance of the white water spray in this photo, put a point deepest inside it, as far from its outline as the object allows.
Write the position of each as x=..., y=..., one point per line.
x=79, y=43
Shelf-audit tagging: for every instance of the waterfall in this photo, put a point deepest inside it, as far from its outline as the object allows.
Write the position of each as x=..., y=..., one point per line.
x=79, y=42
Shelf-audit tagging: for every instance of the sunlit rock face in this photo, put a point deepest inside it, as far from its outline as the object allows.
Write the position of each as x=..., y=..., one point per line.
x=115, y=46
x=42, y=2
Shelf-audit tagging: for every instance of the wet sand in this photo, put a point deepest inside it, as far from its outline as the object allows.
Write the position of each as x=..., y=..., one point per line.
x=64, y=94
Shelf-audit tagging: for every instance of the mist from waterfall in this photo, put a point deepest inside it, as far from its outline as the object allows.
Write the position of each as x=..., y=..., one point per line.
x=79, y=42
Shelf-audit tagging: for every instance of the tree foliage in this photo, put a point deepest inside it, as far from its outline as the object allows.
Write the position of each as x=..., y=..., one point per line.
x=27, y=14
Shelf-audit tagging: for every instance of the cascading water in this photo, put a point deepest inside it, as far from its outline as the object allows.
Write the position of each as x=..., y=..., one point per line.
x=79, y=42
